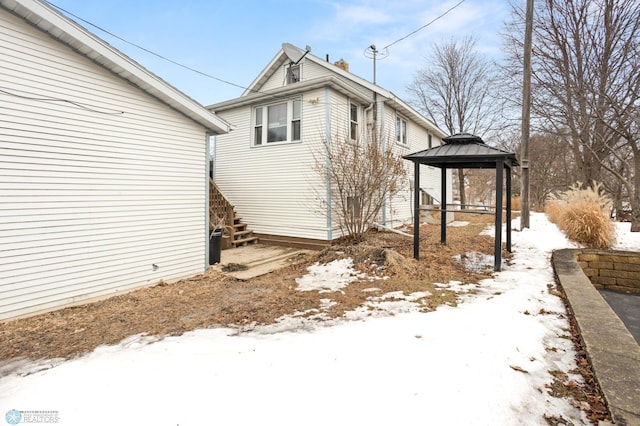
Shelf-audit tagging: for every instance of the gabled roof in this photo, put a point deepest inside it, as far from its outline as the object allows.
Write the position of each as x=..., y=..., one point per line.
x=80, y=39
x=464, y=151
x=337, y=78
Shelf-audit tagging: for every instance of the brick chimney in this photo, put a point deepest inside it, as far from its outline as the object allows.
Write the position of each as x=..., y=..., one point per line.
x=342, y=64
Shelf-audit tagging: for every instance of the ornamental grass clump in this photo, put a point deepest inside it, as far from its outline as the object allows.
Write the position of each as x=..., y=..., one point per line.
x=583, y=215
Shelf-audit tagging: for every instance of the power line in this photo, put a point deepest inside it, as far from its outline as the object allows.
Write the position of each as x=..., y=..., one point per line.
x=273, y=97
x=209, y=75
x=144, y=48
x=425, y=25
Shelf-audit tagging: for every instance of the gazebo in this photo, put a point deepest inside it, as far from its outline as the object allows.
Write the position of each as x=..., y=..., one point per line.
x=464, y=151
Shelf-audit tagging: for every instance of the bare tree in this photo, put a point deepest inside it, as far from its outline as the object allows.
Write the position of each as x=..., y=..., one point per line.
x=457, y=92
x=361, y=175
x=586, y=83
x=552, y=168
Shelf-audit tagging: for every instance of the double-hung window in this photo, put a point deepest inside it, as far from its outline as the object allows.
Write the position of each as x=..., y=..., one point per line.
x=280, y=122
x=353, y=121
x=401, y=131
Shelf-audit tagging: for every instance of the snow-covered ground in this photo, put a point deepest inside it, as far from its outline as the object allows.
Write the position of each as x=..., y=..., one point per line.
x=483, y=362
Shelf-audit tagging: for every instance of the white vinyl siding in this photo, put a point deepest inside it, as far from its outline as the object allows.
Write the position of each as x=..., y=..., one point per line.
x=273, y=186
x=399, y=210
x=99, y=181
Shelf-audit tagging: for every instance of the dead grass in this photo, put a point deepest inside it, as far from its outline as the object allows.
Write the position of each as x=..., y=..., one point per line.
x=214, y=299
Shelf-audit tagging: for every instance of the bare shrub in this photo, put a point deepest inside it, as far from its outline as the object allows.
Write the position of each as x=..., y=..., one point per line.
x=582, y=213
x=361, y=174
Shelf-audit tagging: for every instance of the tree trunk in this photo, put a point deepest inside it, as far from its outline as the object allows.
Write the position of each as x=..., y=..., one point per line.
x=461, y=190
x=635, y=195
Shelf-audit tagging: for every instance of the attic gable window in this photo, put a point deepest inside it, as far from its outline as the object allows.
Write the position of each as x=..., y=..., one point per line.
x=279, y=122
x=293, y=74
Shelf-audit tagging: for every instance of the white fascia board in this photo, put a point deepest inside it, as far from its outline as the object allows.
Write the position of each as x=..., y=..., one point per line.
x=264, y=75
x=77, y=37
x=293, y=89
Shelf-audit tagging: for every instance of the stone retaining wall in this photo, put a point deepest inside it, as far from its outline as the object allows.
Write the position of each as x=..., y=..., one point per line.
x=611, y=270
x=614, y=353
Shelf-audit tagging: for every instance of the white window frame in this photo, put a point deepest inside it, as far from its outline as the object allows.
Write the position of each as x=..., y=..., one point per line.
x=402, y=131
x=260, y=120
x=289, y=72
x=354, y=125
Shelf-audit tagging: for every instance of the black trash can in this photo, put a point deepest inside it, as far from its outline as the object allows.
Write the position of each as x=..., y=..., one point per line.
x=215, y=245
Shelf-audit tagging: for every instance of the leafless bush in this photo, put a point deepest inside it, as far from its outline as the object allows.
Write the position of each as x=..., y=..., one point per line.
x=361, y=175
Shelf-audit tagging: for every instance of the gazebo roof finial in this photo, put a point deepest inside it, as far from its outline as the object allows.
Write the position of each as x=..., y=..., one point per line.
x=461, y=138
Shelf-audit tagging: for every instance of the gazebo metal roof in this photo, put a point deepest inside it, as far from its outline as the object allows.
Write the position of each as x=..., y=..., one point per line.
x=464, y=151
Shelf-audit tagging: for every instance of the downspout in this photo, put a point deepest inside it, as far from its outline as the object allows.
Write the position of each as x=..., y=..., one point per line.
x=329, y=224
x=384, y=148
x=207, y=174
x=366, y=127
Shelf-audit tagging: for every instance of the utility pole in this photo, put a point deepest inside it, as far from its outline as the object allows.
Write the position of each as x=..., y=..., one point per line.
x=372, y=52
x=526, y=117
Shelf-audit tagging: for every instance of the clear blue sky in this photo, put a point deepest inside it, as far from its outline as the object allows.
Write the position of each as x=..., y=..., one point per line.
x=235, y=39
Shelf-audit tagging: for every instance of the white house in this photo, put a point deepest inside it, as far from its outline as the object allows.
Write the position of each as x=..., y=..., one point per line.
x=103, y=167
x=264, y=165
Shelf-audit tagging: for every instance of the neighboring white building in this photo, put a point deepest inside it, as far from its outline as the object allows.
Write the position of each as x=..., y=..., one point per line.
x=264, y=165
x=103, y=167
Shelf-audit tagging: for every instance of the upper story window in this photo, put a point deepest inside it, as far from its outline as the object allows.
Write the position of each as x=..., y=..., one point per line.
x=353, y=121
x=401, y=131
x=293, y=74
x=430, y=141
x=280, y=122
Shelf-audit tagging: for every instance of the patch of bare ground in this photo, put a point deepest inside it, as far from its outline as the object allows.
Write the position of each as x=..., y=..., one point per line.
x=217, y=300
x=214, y=299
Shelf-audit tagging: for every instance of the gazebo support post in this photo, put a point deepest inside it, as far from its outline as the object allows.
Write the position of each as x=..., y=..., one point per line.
x=416, y=211
x=497, y=254
x=465, y=151
x=443, y=205
x=509, y=209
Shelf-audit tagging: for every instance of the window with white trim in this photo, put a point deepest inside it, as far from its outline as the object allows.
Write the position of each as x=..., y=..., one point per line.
x=293, y=74
x=353, y=121
x=401, y=131
x=279, y=122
